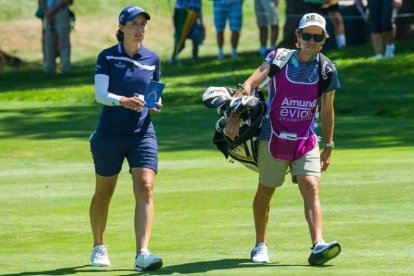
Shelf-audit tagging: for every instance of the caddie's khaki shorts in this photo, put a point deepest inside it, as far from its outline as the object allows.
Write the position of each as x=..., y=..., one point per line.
x=272, y=171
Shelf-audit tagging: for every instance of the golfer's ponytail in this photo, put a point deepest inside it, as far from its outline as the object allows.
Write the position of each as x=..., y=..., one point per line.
x=120, y=36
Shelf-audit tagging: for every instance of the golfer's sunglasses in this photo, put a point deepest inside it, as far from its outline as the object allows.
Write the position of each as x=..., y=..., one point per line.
x=316, y=37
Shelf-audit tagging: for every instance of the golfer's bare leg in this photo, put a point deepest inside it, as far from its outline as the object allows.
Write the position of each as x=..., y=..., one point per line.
x=309, y=188
x=261, y=211
x=98, y=211
x=143, y=182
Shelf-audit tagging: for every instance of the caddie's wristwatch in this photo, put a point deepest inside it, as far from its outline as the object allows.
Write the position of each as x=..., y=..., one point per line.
x=330, y=145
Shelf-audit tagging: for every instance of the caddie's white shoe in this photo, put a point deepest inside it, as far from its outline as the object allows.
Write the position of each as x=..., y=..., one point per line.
x=323, y=252
x=259, y=254
x=99, y=256
x=147, y=261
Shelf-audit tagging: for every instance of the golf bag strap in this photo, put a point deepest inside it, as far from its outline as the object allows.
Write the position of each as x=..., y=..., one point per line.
x=325, y=73
x=282, y=57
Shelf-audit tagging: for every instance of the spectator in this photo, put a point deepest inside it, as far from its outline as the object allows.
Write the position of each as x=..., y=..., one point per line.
x=125, y=131
x=231, y=10
x=57, y=26
x=331, y=9
x=185, y=10
x=382, y=26
x=267, y=16
x=40, y=14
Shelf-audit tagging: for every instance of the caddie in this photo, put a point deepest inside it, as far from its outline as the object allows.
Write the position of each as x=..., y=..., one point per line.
x=288, y=142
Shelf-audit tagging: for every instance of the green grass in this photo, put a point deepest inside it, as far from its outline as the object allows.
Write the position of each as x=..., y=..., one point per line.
x=203, y=218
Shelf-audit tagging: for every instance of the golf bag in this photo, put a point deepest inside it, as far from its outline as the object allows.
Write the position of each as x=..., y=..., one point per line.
x=251, y=110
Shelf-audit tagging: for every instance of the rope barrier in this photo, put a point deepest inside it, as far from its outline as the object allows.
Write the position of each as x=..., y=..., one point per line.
x=400, y=15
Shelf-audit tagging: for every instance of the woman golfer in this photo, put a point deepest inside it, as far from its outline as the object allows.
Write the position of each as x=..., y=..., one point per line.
x=125, y=130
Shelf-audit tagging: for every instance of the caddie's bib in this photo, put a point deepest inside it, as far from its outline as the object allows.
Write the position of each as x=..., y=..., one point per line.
x=292, y=112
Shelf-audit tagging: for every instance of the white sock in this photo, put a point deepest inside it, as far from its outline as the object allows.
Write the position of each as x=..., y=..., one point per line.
x=389, y=50
x=143, y=251
x=340, y=41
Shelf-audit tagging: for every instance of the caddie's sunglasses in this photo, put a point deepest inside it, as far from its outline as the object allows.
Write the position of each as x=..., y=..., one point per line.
x=316, y=37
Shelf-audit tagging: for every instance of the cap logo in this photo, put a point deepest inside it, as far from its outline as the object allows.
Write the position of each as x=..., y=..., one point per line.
x=313, y=17
x=132, y=9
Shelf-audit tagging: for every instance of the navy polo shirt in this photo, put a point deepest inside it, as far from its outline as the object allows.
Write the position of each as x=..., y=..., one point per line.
x=127, y=75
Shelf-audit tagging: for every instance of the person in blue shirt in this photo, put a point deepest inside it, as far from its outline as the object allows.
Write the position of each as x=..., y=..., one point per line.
x=125, y=130
x=56, y=30
x=195, y=27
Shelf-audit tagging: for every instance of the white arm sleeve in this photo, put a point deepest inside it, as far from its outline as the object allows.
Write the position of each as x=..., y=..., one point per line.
x=101, y=91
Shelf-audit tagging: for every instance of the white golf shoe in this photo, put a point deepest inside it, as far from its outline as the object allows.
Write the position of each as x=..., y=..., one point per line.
x=147, y=261
x=99, y=256
x=259, y=254
x=322, y=252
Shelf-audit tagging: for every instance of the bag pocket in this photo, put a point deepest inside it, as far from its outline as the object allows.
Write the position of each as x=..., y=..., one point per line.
x=281, y=148
x=290, y=148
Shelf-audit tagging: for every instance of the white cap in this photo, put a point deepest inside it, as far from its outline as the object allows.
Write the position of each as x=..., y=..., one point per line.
x=312, y=19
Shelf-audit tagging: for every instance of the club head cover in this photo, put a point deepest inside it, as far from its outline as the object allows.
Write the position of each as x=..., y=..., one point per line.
x=250, y=102
x=221, y=123
x=236, y=105
x=214, y=97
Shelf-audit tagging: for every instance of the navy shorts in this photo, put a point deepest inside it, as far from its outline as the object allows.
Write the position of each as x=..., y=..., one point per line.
x=110, y=152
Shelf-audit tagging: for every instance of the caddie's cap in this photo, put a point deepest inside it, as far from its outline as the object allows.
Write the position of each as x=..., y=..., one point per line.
x=129, y=12
x=312, y=19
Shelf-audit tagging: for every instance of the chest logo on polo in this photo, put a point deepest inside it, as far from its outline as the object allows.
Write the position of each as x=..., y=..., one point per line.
x=119, y=65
